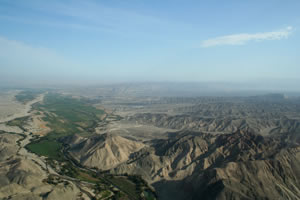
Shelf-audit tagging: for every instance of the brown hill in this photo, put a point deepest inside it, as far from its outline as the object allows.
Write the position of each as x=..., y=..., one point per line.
x=102, y=151
x=241, y=165
x=264, y=125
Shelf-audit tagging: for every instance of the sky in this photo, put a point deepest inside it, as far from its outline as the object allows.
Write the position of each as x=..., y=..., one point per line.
x=150, y=40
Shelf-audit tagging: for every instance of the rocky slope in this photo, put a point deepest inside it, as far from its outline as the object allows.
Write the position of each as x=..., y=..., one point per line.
x=102, y=151
x=23, y=178
x=241, y=149
x=241, y=165
x=262, y=125
x=265, y=115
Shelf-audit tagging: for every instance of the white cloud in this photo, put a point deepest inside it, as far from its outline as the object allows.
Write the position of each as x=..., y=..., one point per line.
x=241, y=39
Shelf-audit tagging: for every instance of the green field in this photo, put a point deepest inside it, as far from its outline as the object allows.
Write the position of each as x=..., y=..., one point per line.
x=49, y=148
x=149, y=195
x=65, y=116
x=27, y=95
x=126, y=184
x=69, y=115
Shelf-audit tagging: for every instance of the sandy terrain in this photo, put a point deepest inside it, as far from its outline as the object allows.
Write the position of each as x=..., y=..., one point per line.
x=21, y=110
x=37, y=126
x=8, y=105
x=10, y=109
x=135, y=131
x=10, y=129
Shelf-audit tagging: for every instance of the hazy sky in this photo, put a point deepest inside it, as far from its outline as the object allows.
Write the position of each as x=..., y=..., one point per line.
x=150, y=40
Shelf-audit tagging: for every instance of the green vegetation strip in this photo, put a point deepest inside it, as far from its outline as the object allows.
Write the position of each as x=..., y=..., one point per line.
x=19, y=122
x=27, y=95
x=125, y=185
x=65, y=116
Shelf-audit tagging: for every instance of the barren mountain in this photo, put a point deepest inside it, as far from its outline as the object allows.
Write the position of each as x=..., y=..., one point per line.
x=241, y=165
x=206, y=148
x=102, y=151
x=228, y=148
x=264, y=126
